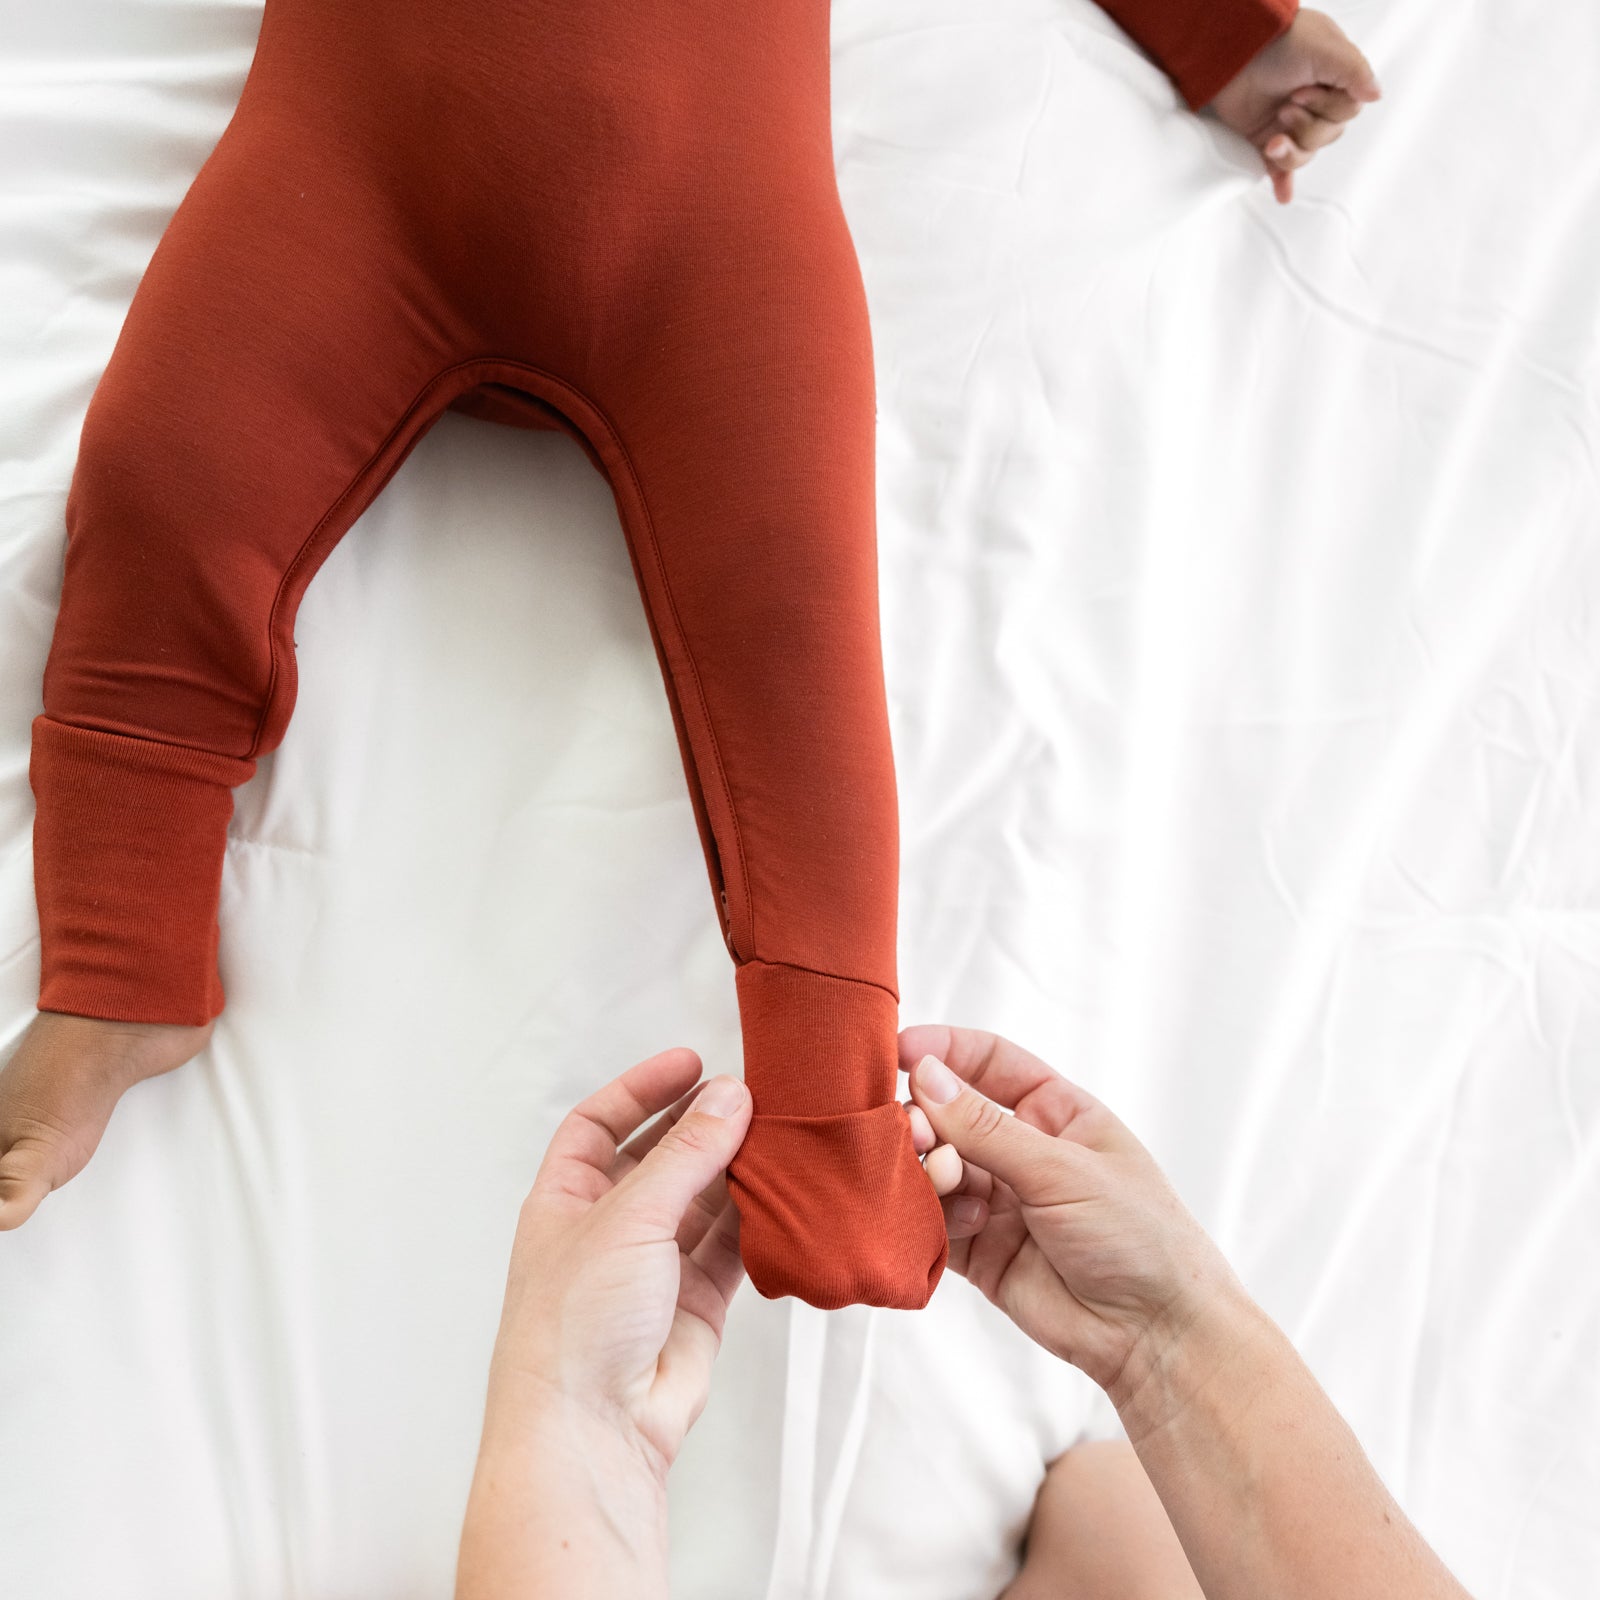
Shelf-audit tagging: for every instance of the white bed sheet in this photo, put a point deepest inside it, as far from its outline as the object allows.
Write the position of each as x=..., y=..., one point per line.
x=1239, y=566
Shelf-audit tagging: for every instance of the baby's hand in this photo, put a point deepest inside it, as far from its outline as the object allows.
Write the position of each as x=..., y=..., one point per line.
x=1296, y=95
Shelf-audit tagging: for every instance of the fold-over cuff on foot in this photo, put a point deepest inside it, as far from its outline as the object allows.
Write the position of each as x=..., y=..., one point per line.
x=815, y=1044
x=838, y=1211
x=128, y=844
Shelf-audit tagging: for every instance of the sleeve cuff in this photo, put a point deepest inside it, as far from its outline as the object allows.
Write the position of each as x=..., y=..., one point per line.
x=1201, y=46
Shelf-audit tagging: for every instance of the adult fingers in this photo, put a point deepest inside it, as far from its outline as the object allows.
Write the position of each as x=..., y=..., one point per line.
x=941, y=1162
x=635, y=1150
x=690, y=1156
x=966, y=1203
x=1036, y=1165
x=710, y=1201
x=964, y=1215
x=717, y=1254
x=710, y=1278
x=580, y=1155
x=1017, y=1078
x=703, y=1212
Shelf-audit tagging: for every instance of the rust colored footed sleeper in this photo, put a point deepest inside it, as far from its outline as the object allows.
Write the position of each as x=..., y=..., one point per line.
x=617, y=221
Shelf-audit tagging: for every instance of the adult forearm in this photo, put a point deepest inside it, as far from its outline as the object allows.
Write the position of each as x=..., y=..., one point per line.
x=1268, y=1489
x=559, y=1507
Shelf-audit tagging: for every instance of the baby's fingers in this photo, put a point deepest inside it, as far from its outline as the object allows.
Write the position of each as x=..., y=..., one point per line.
x=939, y=1161
x=1283, y=156
x=1284, y=153
x=1306, y=128
x=943, y=1166
x=1324, y=100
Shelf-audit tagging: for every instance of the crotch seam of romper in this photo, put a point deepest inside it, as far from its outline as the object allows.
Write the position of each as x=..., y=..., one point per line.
x=838, y=977
x=491, y=365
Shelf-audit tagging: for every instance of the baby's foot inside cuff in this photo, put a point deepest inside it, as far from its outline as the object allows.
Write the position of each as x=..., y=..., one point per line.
x=129, y=839
x=837, y=1210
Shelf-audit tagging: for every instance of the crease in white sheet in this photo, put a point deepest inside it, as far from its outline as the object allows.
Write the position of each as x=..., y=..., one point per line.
x=835, y=1497
x=797, y=1455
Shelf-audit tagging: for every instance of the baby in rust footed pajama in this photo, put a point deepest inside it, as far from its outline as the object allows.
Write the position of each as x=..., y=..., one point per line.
x=620, y=221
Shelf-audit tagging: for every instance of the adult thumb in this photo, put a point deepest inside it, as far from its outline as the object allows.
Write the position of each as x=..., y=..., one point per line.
x=984, y=1133
x=689, y=1155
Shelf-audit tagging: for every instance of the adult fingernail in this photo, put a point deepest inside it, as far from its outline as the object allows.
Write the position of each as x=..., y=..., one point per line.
x=937, y=1081
x=720, y=1098
x=1278, y=149
x=964, y=1211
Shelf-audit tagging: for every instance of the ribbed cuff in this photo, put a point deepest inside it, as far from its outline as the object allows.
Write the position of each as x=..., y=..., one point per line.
x=814, y=1044
x=128, y=843
x=834, y=1205
x=1202, y=45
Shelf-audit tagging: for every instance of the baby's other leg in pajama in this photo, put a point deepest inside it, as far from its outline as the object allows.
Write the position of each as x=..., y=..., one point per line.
x=269, y=352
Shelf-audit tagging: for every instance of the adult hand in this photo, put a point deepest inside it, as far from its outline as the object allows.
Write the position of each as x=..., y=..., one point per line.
x=627, y=1255
x=626, y=1258
x=625, y=1261
x=1060, y=1216
x=1081, y=1240
x=1296, y=95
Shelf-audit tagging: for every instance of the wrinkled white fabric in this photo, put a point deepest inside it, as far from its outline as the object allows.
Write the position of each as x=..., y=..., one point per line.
x=1238, y=572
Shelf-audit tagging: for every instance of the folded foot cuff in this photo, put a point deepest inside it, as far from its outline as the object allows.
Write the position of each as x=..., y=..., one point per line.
x=834, y=1205
x=128, y=844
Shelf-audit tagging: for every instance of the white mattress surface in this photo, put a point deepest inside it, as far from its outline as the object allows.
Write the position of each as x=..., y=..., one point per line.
x=1239, y=573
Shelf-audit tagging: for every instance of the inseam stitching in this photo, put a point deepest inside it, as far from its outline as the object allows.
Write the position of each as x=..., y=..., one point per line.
x=492, y=363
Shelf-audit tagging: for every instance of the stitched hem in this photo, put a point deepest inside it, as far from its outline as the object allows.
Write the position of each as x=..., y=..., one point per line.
x=816, y=1045
x=837, y=977
x=128, y=844
x=386, y=460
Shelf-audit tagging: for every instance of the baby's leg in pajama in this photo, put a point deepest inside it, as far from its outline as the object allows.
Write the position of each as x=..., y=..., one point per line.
x=251, y=407
x=748, y=417
x=255, y=401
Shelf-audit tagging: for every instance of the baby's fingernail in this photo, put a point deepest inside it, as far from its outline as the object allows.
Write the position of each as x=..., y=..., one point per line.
x=720, y=1098
x=964, y=1211
x=937, y=1081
